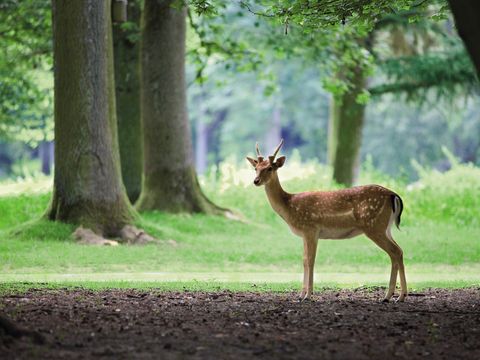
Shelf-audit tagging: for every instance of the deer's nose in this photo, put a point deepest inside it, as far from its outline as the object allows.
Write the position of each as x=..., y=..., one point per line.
x=256, y=181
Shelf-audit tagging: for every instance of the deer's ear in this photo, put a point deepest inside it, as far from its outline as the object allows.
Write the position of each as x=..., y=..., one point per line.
x=280, y=161
x=252, y=161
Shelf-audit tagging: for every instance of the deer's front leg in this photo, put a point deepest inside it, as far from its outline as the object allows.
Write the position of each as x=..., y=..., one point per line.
x=309, y=253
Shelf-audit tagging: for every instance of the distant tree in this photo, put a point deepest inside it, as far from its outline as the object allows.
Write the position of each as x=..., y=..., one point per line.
x=346, y=120
x=45, y=153
x=88, y=188
x=411, y=73
x=208, y=127
x=169, y=178
x=127, y=86
x=26, y=106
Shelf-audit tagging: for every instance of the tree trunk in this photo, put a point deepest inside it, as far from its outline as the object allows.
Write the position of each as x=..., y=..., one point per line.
x=45, y=154
x=274, y=131
x=466, y=13
x=201, y=146
x=214, y=132
x=207, y=139
x=169, y=181
x=332, y=140
x=127, y=86
x=345, y=132
x=88, y=189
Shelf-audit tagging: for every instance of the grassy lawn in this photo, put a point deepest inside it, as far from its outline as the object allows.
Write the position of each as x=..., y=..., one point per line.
x=440, y=238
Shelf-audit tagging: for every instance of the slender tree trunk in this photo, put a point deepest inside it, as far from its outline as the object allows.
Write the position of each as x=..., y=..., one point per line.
x=88, y=189
x=214, y=132
x=201, y=146
x=345, y=132
x=332, y=139
x=127, y=86
x=466, y=14
x=169, y=181
x=207, y=140
x=274, y=131
x=45, y=154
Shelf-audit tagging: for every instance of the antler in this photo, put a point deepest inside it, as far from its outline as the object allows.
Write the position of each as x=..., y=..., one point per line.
x=272, y=157
x=259, y=156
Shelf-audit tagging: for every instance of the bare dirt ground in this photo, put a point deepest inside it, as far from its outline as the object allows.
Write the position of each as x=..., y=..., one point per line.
x=346, y=324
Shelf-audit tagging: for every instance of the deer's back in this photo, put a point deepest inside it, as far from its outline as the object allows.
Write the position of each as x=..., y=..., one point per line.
x=338, y=214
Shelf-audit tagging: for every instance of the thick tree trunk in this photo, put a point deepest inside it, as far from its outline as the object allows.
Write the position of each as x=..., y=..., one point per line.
x=345, y=132
x=127, y=86
x=169, y=181
x=88, y=189
x=466, y=14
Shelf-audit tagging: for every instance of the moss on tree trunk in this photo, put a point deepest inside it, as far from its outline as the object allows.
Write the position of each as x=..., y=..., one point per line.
x=345, y=132
x=169, y=181
x=127, y=86
x=88, y=189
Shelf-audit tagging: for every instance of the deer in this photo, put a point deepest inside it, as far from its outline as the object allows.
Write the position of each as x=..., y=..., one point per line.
x=341, y=214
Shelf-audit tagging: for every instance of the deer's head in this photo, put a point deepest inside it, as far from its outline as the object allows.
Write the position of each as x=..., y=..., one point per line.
x=266, y=168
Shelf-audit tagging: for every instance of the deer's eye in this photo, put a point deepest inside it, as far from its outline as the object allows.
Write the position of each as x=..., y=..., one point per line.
x=269, y=169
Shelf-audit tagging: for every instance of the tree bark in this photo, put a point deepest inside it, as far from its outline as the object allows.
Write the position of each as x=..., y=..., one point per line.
x=127, y=86
x=466, y=13
x=332, y=139
x=88, y=189
x=345, y=132
x=169, y=178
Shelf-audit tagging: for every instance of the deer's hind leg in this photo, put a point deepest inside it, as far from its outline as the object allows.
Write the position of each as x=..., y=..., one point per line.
x=401, y=270
x=385, y=241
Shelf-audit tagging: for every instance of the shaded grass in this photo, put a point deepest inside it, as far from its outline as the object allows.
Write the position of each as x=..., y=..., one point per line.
x=217, y=244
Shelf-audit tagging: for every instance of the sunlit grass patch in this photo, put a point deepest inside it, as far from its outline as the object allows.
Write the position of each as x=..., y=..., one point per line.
x=439, y=236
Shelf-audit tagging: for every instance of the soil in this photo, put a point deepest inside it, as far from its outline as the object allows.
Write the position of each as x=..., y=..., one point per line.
x=346, y=324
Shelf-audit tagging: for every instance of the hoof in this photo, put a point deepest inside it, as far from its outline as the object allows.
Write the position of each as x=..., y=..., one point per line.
x=385, y=300
x=306, y=297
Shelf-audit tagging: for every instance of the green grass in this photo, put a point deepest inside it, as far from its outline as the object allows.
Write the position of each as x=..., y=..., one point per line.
x=19, y=287
x=440, y=238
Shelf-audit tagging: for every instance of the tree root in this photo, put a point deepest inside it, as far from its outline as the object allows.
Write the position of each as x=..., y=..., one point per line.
x=16, y=331
x=132, y=235
x=88, y=237
x=129, y=235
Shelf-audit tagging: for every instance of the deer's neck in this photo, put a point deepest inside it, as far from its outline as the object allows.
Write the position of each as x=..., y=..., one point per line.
x=276, y=195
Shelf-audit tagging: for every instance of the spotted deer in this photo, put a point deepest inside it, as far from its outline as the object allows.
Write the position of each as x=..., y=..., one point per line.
x=340, y=214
